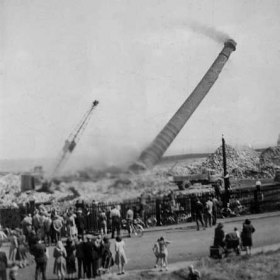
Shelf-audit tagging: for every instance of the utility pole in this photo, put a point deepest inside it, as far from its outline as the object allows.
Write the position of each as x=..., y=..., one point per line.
x=226, y=175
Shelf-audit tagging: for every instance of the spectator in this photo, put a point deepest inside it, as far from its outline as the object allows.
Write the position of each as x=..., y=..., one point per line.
x=88, y=247
x=97, y=249
x=219, y=236
x=3, y=264
x=27, y=224
x=163, y=253
x=247, y=236
x=57, y=226
x=39, y=251
x=80, y=255
x=59, y=254
x=215, y=210
x=129, y=220
x=115, y=216
x=120, y=257
x=193, y=274
x=258, y=197
x=13, y=246
x=70, y=258
x=80, y=223
x=208, y=212
x=156, y=253
x=199, y=213
x=107, y=257
x=103, y=222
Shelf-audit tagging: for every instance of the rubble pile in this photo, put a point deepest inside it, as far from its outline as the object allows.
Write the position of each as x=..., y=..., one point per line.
x=270, y=156
x=242, y=162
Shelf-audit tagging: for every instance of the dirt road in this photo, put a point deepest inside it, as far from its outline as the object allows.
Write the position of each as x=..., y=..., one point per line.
x=186, y=244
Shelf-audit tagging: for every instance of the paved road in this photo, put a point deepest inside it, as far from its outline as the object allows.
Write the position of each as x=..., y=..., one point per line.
x=187, y=244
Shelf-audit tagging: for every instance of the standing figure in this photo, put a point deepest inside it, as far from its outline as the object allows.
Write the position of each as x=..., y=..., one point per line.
x=129, y=220
x=70, y=258
x=13, y=246
x=115, y=216
x=208, y=212
x=247, y=236
x=3, y=264
x=80, y=223
x=120, y=257
x=97, y=256
x=163, y=253
x=80, y=255
x=107, y=257
x=57, y=225
x=103, y=222
x=39, y=251
x=59, y=254
x=156, y=253
x=199, y=213
x=219, y=237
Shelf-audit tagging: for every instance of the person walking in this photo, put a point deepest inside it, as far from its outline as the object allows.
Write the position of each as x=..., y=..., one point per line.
x=163, y=253
x=120, y=256
x=59, y=254
x=247, y=236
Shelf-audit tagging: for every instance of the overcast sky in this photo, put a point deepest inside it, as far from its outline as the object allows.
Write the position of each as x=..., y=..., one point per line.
x=141, y=60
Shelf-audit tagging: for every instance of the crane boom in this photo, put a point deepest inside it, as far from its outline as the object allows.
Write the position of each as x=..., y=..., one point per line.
x=72, y=140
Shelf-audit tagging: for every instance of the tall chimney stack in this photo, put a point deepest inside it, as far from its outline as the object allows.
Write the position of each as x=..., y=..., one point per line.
x=150, y=156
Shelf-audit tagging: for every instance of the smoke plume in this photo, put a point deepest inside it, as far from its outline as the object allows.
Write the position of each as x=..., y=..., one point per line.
x=208, y=31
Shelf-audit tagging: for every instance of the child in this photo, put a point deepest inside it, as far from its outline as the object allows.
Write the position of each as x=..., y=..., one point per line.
x=156, y=253
x=120, y=258
x=163, y=253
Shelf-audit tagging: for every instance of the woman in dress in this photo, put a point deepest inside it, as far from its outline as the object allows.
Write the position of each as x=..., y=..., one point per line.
x=59, y=254
x=70, y=259
x=120, y=257
x=247, y=236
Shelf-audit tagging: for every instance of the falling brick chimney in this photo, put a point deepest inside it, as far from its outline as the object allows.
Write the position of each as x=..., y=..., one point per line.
x=151, y=155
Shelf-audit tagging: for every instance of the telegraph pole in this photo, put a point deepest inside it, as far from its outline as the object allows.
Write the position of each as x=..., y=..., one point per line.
x=226, y=175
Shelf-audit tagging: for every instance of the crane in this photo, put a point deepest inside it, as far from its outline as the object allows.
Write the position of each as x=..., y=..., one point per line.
x=73, y=139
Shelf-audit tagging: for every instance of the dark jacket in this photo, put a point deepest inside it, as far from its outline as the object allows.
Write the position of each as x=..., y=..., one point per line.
x=219, y=237
x=39, y=252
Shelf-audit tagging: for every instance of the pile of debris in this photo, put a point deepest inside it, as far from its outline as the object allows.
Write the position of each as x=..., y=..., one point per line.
x=241, y=163
x=270, y=156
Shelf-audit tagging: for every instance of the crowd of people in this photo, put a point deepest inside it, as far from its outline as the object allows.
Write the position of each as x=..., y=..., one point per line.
x=89, y=255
